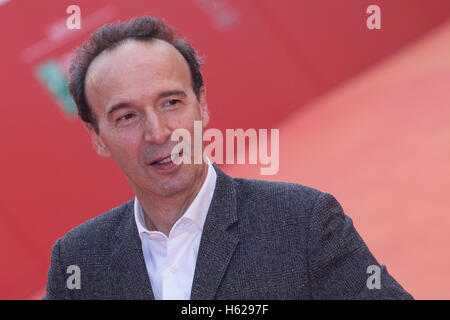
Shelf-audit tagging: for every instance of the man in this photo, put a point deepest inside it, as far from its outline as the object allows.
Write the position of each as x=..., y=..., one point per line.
x=192, y=232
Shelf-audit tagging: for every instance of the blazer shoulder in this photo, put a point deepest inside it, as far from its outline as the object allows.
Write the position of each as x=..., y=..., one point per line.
x=260, y=199
x=98, y=230
x=276, y=191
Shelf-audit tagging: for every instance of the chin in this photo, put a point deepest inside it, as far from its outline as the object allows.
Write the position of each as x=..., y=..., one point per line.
x=173, y=186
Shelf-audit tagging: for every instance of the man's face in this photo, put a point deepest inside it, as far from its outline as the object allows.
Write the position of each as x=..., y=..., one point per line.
x=140, y=92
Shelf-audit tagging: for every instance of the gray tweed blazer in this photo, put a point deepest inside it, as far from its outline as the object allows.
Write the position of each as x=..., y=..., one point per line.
x=261, y=240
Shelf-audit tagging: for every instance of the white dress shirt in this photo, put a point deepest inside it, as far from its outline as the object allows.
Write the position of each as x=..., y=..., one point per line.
x=171, y=261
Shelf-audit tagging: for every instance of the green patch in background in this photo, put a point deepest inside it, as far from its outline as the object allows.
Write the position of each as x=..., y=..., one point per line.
x=51, y=76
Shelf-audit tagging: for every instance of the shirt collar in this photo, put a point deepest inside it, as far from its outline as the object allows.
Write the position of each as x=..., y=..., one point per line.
x=197, y=210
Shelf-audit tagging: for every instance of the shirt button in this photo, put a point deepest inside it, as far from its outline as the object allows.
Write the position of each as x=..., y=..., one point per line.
x=173, y=269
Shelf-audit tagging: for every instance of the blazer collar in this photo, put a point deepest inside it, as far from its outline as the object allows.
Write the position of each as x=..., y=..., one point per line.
x=127, y=259
x=218, y=241
x=217, y=245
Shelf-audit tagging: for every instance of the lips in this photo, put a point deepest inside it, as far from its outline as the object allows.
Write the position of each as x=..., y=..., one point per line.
x=164, y=159
x=161, y=160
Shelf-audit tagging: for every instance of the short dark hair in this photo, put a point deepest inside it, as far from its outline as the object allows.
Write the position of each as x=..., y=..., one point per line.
x=111, y=36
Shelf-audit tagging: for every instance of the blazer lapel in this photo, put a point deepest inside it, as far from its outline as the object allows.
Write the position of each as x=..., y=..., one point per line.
x=127, y=259
x=217, y=244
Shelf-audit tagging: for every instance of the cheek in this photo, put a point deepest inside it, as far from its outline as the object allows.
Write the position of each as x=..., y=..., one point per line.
x=187, y=117
x=124, y=147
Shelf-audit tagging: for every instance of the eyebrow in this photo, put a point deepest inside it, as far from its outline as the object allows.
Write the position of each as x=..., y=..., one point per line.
x=161, y=95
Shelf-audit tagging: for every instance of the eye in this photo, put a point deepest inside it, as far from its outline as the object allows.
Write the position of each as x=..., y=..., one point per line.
x=171, y=102
x=126, y=117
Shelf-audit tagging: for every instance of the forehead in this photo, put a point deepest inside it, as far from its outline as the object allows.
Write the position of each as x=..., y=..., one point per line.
x=133, y=69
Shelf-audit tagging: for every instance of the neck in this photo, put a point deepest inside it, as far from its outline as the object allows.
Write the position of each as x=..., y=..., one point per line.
x=161, y=212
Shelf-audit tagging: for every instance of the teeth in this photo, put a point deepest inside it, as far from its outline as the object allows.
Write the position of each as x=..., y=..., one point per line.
x=173, y=157
x=166, y=160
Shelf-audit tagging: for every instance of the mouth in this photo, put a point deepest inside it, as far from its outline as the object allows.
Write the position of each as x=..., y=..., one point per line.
x=165, y=163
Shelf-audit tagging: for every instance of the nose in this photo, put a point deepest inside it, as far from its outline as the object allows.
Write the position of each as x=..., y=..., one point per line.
x=156, y=130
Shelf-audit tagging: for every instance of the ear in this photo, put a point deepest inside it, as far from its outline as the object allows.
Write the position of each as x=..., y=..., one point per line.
x=203, y=107
x=97, y=141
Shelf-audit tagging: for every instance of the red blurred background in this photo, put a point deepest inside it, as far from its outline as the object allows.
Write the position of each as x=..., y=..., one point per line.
x=363, y=114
